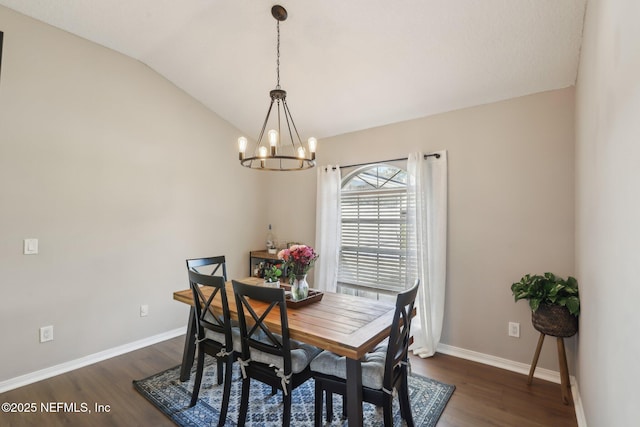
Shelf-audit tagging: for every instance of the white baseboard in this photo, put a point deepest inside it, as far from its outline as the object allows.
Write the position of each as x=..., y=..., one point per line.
x=521, y=368
x=52, y=371
x=498, y=362
x=577, y=403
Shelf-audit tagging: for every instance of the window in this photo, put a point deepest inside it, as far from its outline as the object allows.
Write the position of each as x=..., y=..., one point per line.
x=373, y=252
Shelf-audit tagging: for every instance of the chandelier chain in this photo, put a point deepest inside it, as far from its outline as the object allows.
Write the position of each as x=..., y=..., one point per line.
x=278, y=57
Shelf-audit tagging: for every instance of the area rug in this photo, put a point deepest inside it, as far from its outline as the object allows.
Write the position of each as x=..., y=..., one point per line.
x=428, y=399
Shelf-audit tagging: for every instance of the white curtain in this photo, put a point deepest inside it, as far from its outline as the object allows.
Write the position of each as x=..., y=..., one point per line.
x=327, y=228
x=427, y=221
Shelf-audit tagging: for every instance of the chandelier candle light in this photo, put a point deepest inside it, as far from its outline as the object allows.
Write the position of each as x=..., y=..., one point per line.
x=275, y=155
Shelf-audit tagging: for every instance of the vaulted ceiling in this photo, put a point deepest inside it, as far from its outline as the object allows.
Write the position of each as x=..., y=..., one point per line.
x=346, y=65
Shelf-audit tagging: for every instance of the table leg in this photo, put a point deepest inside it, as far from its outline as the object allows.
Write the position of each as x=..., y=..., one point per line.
x=189, y=347
x=354, y=392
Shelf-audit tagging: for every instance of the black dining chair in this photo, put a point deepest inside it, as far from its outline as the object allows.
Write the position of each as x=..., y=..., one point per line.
x=383, y=369
x=215, y=335
x=213, y=266
x=268, y=353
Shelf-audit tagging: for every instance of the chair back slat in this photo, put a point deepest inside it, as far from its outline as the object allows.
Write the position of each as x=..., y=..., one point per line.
x=215, y=263
x=258, y=325
x=274, y=342
x=205, y=307
x=400, y=337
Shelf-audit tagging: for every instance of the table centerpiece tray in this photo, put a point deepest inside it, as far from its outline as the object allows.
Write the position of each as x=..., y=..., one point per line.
x=314, y=296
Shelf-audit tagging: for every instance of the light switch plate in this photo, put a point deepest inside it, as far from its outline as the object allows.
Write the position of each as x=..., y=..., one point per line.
x=30, y=246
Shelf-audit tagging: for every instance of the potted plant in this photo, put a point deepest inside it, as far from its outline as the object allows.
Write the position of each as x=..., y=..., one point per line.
x=554, y=302
x=272, y=276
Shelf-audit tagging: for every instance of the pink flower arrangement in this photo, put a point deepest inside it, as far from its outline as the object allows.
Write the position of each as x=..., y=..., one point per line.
x=298, y=259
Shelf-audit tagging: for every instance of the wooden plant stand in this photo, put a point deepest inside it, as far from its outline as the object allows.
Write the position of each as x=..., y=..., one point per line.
x=562, y=361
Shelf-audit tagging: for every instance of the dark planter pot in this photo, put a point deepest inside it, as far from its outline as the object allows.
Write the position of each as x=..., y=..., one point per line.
x=554, y=320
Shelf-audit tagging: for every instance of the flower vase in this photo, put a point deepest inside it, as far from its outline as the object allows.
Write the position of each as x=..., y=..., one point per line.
x=299, y=287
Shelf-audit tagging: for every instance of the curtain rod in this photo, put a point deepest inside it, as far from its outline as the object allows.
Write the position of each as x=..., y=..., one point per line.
x=436, y=155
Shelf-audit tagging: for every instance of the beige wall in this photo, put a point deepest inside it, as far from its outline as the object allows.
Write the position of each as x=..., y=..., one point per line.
x=510, y=208
x=608, y=212
x=122, y=177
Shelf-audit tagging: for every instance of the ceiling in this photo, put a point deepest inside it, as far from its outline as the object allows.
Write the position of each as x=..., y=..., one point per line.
x=346, y=65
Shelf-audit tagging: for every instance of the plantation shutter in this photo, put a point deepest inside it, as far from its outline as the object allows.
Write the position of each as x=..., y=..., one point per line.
x=373, y=252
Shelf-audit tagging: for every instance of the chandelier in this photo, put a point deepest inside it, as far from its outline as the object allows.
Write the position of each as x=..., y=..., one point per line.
x=276, y=154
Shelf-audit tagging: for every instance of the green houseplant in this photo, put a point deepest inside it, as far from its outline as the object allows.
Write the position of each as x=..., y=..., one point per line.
x=554, y=302
x=272, y=274
x=548, y=289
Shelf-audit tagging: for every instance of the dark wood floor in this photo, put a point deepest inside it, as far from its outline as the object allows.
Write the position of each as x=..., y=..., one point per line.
x=488, y=396
x=484, y=396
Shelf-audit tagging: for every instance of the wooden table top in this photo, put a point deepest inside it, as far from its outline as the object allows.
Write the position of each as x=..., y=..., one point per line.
x=344, y=324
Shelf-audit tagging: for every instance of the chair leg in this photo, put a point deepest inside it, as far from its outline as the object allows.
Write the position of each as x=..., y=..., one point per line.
x=244, y=402
x=227, y=392
x=328, y=396
x=220, y=370
x=189, y=347
x=344, y=406
x=196, y=385
x=317, y=406
x=387, y=410
x=286, y=413
x=405, y=403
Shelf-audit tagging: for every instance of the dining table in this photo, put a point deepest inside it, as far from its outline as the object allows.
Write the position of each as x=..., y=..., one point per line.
x=347, y=325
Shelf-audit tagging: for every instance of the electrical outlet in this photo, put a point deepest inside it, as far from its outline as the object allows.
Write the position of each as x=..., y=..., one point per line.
x=514, y=329
x=144, y=310
x=30, y=246
x=46, y=333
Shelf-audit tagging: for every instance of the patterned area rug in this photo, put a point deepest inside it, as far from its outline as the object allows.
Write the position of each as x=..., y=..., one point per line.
x=428, y=399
